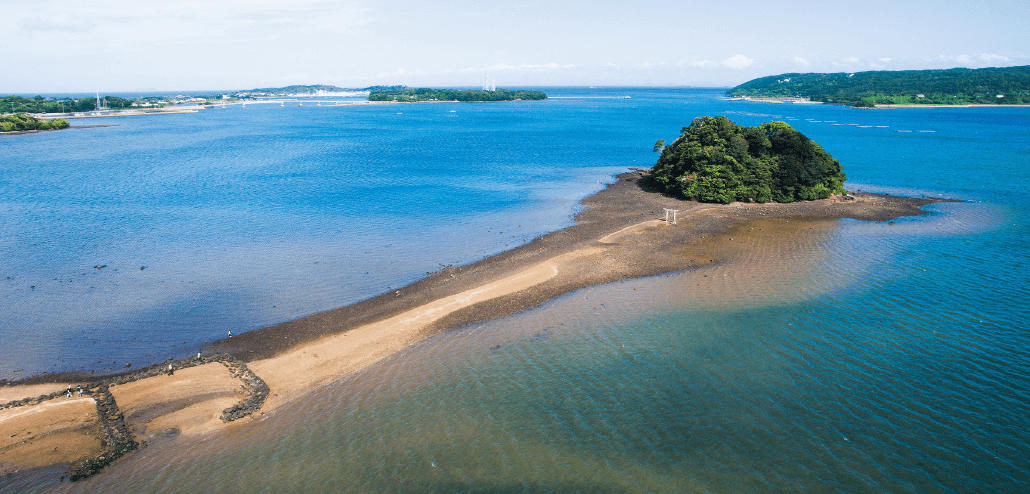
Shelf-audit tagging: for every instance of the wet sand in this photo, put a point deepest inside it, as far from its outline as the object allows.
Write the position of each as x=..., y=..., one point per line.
x=59, y=431
x=620, y=234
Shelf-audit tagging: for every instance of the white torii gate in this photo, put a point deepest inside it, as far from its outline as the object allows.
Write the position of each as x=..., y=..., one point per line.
x=673, y=211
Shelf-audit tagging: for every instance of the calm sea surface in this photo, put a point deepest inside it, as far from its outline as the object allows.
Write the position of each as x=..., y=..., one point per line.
x=896, y=360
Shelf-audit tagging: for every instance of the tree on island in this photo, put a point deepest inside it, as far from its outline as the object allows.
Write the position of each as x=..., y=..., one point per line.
x=716, y=160
x=21, y=122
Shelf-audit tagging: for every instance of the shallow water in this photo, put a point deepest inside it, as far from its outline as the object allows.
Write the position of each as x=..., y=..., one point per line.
x=871, y=357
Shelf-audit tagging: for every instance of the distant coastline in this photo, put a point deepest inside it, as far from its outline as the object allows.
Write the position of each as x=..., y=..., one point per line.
x=261, y=100
x=958, y=87
x=801, y=101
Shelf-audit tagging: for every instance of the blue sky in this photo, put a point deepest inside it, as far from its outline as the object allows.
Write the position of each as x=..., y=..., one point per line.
x=120, y=45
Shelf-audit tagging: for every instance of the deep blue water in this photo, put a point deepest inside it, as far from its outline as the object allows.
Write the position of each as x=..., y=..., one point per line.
x=895, y=361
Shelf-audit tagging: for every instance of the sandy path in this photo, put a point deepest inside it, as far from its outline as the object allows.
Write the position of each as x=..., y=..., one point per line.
x=638, y=229
x=15, y=393
x=296, y=372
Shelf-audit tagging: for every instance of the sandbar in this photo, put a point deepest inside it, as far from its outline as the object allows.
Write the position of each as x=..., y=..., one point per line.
x=621, y=233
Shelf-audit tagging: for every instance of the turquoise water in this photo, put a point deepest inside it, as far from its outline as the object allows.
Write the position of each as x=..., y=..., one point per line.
x=895, y=360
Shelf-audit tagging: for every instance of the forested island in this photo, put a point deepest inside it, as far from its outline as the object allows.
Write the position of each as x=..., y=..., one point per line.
x=301, y=89
x=990, y=86
x=716, y=160
x=20, y=122
x=407, y=95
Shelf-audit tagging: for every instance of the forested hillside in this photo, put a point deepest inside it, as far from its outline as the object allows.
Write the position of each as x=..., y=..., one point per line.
x=716, y=160
x=1004, y=85
x=300, y=89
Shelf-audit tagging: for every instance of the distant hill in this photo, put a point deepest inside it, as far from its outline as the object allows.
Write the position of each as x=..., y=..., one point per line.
x=408, y=95
x=1000, y=85
x=298, y=89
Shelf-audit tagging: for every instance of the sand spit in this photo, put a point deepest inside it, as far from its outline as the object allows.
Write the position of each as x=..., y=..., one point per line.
x=620, y=234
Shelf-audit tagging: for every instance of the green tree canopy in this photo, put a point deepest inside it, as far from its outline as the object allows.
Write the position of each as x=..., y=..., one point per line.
x=39, y=104
x=993, y=85
x=21, y=122
x=716, y=160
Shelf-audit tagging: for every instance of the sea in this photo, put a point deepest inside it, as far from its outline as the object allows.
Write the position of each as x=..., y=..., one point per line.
x=891, y=357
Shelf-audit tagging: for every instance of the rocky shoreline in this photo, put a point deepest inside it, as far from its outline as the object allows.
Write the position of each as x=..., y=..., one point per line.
x=118, y=440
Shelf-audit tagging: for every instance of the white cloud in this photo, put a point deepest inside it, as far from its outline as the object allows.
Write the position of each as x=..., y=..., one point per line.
x=141, y=23
x=738, y=62
x=848, y=62
x=992, y=58
x=801, y=61
x=490, y=69
x=56, y=23
x=522, y=67
x=972, y=61
x=659, y=65
x=884, y=60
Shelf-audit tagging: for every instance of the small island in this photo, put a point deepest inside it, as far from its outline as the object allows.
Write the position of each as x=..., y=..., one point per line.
x=20, y=122
x=410, y=95
x=716, y=160
x=959, y=86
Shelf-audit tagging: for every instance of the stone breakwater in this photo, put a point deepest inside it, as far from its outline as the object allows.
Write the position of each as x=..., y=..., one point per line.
x=257, y=390
x=117, y=440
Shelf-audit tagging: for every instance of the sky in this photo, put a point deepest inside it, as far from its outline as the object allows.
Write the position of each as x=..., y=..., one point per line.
x=122, y=46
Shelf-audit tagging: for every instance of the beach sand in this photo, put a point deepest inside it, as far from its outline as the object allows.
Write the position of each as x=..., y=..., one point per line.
x=620, y=234
x=58, y=431
x=188, y=402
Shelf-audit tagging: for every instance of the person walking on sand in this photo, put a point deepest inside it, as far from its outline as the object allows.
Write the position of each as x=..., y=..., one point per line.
x=170, y=372
x=79, y=390
x=230, y=333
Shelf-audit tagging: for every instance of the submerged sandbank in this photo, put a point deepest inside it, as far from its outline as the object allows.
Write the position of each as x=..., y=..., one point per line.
x=620, y=234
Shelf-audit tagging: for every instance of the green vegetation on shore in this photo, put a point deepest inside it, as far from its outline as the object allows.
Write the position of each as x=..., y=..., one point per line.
x=427, y=94
x=993, y=86
x=716, y=160
x=23, y=122
x=39, y=104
